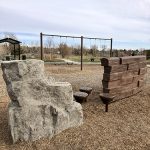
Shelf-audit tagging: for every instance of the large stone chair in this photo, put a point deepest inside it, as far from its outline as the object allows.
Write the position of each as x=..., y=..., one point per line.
x=39, y=107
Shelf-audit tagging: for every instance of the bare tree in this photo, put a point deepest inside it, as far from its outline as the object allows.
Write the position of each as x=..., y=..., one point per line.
x=64, y=49
x=10, y=35
x=49, y=42
x=7, y=47
x=93, y=50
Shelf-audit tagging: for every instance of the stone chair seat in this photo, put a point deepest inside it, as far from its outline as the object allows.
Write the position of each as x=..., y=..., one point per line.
x=106, y=99
x=87, y=90
x=80, y=96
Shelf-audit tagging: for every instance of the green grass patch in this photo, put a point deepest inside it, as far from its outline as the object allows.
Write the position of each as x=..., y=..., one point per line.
x=54, y=60
x=85, y=58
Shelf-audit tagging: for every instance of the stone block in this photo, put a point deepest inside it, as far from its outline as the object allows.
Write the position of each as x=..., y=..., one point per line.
x=136, y=90
x=133, y=72
x=132, y=59
x=110, y=61
x=115, y=69
x=39, y=107
x=119, y=75
x=106, y=98
x=138, y=77
x=142, y=71
x=141, y=83
x=123, y=95
x=112, y=76
x=129, y=73
x=80, y=97
x=134, y=84
x=87, y=90
x=127, y=93
x=112, y=91
x=142, y=64
x=111, y=84
x=134, y=66
x=126, y=80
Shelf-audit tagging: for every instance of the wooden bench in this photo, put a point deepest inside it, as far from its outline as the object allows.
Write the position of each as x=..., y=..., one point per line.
x=87, y=90
x=80, y=97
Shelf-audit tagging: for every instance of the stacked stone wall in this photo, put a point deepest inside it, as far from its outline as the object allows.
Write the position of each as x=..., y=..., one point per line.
x=123, y=76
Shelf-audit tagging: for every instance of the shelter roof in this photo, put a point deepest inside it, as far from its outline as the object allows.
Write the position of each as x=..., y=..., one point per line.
x=10, y=40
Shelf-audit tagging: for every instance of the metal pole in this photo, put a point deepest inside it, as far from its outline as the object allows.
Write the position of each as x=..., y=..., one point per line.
x=81, y=51
x=106, y=107
x=41, y=42
x=111, y=47
x=19, y=51
x=14, y=52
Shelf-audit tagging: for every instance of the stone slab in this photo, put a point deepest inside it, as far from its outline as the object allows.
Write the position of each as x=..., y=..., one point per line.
x=132, y=59
x=115, y=69
x=110, y=61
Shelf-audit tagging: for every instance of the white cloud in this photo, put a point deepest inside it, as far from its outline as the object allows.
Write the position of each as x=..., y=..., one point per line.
x=123, y=20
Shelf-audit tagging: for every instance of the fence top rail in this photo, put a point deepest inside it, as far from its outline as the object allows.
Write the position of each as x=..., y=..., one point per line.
x=96, y=38
x=76, y=37
x=61, y=36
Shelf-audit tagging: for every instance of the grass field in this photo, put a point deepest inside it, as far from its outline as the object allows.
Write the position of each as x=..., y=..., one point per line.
x=85, y=58
x=126, y=126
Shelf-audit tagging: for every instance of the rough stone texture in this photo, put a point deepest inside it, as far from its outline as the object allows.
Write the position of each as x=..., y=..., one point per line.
x=140, y=83
x=107, y=84
x=124, y=79
x=115, y=68
x=142, y=71
x=112, y=76
x=132, y=59
x=87, y=90
x=80, y=96
x=110, y=61
x=39, y=107
x=136, y=66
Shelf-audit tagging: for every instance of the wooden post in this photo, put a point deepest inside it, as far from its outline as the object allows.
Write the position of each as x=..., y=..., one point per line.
x=81, y=52
x=41, y=42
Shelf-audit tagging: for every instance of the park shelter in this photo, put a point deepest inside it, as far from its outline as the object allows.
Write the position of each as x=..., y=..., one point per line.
x=14, y=43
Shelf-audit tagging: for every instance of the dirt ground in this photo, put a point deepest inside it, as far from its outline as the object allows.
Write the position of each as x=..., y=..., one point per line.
x=126, y=126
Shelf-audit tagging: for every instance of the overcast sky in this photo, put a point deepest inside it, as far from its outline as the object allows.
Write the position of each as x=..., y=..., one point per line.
x=126, y=21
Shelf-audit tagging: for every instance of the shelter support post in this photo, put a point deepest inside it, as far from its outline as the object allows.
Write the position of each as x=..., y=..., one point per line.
x=14, y=52
x=41, y=41
x=19, y=51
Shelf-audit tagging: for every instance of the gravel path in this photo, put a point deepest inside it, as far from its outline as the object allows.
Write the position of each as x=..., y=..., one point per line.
x=126, y=126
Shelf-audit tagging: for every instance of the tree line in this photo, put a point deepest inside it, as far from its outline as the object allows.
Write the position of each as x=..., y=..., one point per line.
x=65, y=50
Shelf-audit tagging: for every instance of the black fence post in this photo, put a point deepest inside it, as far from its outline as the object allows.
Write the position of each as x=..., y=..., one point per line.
x=41, y=42
x=111, y=40
x=81, y=52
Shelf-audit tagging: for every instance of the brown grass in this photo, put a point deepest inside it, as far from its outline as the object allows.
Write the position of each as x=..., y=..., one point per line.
x=126, y=126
